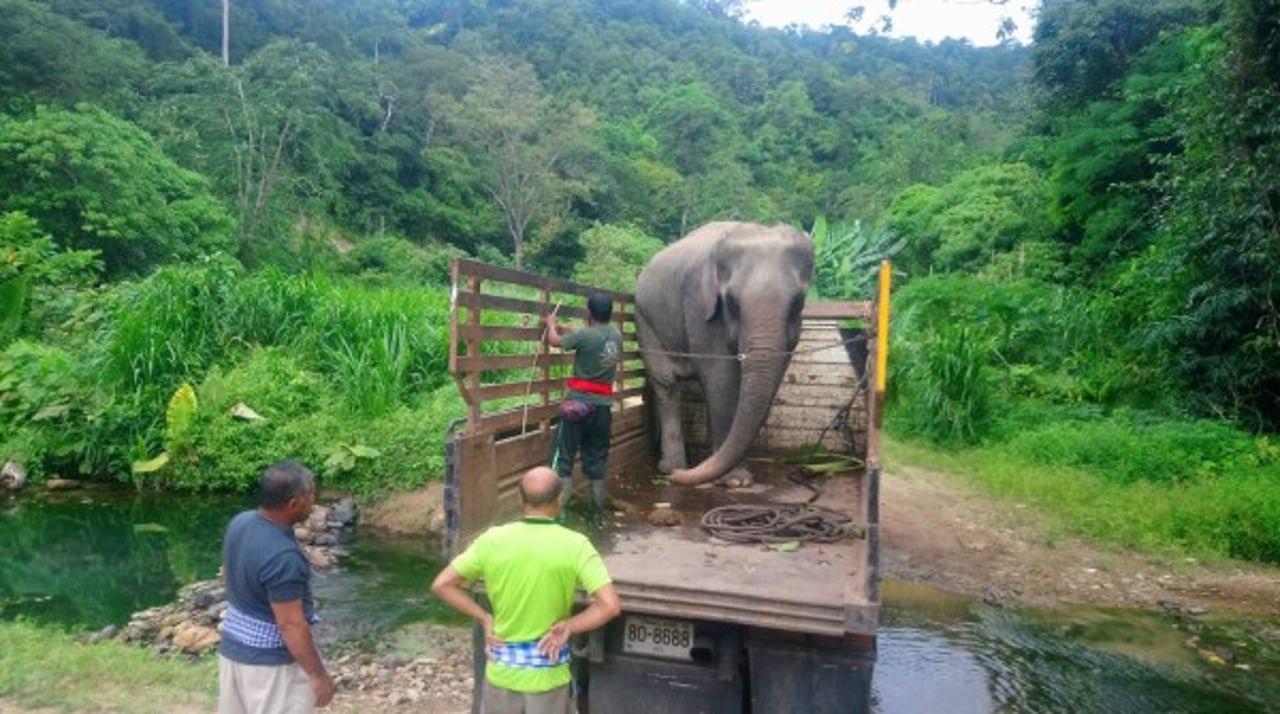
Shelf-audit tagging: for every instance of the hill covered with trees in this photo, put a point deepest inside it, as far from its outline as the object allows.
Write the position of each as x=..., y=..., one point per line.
x=1085, y=229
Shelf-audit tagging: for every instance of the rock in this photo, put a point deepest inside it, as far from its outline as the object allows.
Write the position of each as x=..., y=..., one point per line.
x=107, y=633
x=664, y=517
x=13, y=476
x=194, y=639
x=62, y=484
x=344, y=513
x=318, y=519
x=318, y=558
x=303, y=534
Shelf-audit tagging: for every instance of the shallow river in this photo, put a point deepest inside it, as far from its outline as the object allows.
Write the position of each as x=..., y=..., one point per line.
x=86, y=560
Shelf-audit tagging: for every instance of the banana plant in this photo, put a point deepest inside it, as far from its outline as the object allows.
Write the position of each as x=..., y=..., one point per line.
x=846, y=258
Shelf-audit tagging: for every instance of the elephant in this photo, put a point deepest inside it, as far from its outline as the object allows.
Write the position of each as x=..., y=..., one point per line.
x=721, y=305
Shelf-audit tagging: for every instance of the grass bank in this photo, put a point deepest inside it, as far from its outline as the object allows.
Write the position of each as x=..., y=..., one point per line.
x=43, y=667
x=1217, y=514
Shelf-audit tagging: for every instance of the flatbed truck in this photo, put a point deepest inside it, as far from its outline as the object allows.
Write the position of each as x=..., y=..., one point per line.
x=709, y=625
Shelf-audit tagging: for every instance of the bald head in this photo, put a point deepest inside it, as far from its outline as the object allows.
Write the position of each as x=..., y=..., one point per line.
x=540, y=488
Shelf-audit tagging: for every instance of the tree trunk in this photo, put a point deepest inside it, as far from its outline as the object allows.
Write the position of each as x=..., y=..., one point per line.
x=226, y=33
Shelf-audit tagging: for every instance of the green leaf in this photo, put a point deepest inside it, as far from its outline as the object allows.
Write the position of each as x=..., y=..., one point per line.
x=149, y=528
x=785, y=546
x=152, y=465
x=365, y=452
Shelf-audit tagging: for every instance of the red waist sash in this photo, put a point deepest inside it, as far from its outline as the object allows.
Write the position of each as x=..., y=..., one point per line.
x=604, y=389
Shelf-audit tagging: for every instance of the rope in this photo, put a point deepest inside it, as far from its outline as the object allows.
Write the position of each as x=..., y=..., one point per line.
x=528, y=385
x=742, y=523
x=742, y=356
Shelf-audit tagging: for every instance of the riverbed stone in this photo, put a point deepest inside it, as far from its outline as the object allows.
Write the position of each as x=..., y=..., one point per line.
x=12, y=475
x=344, y=513
x=194, y=639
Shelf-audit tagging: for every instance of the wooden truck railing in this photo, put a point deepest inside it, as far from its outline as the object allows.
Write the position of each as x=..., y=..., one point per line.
x=510, y=380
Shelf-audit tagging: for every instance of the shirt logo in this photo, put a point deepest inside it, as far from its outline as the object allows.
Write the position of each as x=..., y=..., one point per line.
x=610, y=354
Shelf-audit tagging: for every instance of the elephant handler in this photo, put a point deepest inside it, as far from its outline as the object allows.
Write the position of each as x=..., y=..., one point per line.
x=597, y=349
x=531, y=569
x=268, y=662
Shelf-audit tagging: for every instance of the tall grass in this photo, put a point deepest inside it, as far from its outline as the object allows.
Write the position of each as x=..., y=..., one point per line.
x=378, y=345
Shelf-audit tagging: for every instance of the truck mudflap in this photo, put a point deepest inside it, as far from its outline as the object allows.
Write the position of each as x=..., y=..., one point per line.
x=809, y=673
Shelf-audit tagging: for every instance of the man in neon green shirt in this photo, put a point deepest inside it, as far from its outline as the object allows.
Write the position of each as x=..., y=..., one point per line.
x=531, y=569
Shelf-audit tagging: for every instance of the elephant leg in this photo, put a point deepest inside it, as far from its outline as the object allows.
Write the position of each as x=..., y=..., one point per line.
x=720, y=382
x=661, y=373
x=670, y=425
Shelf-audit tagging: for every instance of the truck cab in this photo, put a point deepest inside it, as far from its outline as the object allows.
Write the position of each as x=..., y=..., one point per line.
x=725, y=608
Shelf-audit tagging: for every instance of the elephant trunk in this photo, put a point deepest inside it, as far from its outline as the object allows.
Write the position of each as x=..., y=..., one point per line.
x=762, y=371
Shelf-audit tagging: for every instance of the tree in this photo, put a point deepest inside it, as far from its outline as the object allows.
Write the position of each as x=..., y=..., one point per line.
x=226, y=33
x=1083, y=48
x=1222, y=218
x=614, y=256
x=971, y=220
x=522, y=142
x=98, y=182
x=31, y=264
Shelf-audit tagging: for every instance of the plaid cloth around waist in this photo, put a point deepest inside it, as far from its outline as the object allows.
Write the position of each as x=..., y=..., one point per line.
x=525, y=655
x=250, y=631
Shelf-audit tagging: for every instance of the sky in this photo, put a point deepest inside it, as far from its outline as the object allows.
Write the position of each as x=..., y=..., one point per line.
x=926, y=20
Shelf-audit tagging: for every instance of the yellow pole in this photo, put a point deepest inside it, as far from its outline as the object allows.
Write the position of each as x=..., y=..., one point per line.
x=882, y=328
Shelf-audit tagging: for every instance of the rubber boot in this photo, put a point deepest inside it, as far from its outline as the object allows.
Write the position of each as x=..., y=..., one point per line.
x=597, y=503
x=566, y=496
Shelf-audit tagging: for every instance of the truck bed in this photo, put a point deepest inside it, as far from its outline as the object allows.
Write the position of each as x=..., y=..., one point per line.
x=682, y=571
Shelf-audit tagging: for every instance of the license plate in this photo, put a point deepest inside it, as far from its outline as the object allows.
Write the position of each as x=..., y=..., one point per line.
x=658, y=637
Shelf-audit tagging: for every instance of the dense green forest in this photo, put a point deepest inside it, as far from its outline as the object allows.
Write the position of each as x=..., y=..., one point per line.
x=222, y=248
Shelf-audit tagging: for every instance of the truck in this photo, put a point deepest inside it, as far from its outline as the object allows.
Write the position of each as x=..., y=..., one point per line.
x=709, y=624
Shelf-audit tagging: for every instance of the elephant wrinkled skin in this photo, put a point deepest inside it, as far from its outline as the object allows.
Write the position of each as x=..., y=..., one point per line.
x=727, y=300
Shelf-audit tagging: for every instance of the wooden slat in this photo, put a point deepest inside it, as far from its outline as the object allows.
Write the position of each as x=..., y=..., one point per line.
x=500, y=333
x=516, y=277
x=837, y=310
x=480, y=301
x=526, y=361
x=502, y=390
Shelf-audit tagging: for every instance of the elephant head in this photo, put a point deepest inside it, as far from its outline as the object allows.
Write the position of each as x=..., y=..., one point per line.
x=752, y=292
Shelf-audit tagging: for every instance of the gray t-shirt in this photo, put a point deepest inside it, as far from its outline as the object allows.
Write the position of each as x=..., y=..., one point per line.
x=264, y=564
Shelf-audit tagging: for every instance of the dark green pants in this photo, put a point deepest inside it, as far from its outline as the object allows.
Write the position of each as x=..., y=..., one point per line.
x=591, y=437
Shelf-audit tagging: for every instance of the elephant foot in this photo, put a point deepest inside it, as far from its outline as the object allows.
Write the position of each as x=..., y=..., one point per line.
x=739, y=477
x=667, y=465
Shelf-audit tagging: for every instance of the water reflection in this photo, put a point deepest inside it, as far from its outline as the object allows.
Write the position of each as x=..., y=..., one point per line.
x=943, y=653
x=381, y=584
x=91, y=558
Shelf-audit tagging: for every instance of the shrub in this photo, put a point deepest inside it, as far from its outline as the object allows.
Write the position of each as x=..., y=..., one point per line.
x=1126, y=450
x=392, y=261
x=614, y=256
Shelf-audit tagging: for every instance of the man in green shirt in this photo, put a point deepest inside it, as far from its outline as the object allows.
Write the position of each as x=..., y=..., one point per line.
x=597, y=349
x=531, y=569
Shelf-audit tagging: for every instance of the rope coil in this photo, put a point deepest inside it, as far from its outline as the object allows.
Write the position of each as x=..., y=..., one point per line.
x=742, y=523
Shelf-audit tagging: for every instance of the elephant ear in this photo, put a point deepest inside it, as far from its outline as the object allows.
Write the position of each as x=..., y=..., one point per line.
x=714, y=277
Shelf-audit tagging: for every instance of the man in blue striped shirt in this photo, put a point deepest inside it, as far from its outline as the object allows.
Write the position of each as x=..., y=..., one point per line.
x=268, y=662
